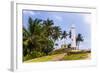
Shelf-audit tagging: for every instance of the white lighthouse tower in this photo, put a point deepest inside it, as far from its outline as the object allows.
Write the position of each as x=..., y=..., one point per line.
x=73, y=37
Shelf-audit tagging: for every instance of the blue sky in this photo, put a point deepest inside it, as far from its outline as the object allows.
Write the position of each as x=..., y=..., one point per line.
x=65, y=20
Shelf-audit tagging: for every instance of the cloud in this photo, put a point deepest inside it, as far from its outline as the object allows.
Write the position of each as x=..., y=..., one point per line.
x=87, y=19
x=29, y=12
x=58, y=18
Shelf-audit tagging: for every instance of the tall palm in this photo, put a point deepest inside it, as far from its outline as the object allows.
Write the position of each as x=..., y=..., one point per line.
x=39, y=36
x=30, y=34
x=79, y=39
x=25, y=41
x=70, y=34
x=34, y=26
x=48, y=27
x=64, y=36
x=51, y=31
x=56, y=33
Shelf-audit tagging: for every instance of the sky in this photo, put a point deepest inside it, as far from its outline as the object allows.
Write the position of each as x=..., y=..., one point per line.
x=81, y=21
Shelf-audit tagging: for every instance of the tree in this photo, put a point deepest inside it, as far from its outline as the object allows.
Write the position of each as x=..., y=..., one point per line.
x=70, y=34
x=69, y=45
x=79, y=39
x=52, y=32
x=39, y=37
x=64, y=36
x=48, y=27
x=56, y=32
x=30, y=36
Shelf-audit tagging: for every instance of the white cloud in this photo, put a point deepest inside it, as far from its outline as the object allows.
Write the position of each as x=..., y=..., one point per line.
x=58, y=18
x=29, y=12
x=87, y=19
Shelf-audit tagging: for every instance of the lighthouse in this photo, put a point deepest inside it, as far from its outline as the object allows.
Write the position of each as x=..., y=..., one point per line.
x=73, y=37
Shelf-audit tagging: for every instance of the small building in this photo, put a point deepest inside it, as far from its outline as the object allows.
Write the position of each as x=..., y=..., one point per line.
x=64, y=46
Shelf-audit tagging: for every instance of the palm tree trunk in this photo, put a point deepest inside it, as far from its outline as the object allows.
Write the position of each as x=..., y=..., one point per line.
x=78, y=46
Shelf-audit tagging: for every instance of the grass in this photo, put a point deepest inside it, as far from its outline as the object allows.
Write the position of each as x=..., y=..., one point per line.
x=75, y=56
x=78, y=56
x=42, y=59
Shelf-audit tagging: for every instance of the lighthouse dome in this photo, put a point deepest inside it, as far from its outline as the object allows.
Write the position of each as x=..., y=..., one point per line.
x=73, y=26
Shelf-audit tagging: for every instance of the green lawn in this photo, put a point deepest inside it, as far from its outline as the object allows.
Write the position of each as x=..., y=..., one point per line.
x=66, y=57
x=76, y=56
x=42, y=59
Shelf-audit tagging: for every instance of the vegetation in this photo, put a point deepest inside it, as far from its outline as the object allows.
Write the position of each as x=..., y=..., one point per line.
x=43, y=59
x=78, y=56
x=64, y=36
x=39, y=39
x=60, y=51
x=79, y=39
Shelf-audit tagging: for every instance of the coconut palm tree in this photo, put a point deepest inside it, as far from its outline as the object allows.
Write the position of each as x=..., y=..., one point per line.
x=64, y=36
x=79, y=39
x=39, y=36
x=30, y=35
x=48, y=27
x=52, y=32
x=56, y=33
x=70, y=34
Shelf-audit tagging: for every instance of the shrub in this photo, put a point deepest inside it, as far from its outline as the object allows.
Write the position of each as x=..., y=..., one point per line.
x=27, y=57
x=34, y=54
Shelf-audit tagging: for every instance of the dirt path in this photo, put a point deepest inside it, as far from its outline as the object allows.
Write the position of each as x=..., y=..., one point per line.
x=59, y=57
x=89, y=56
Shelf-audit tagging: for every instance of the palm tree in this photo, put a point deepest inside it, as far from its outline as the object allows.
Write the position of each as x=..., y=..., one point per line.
x=48, y=27
x=39, y=36
x=30, y=35
x=79, y=39
x=64, y=36
x=56, y=33
x=50, y=30
x=70, y=34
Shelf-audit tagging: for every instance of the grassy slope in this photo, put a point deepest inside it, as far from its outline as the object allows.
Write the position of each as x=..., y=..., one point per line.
x=43, y=59
x=76, y=56
x=64, y=57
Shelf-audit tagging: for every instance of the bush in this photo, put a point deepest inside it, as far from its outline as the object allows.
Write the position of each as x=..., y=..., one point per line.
x=75, y=56
x=34, y=54
x=27, y=57
x=59, y=51
x=78, y=52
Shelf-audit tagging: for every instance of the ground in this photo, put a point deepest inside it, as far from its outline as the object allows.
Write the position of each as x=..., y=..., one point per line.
x=59, y=57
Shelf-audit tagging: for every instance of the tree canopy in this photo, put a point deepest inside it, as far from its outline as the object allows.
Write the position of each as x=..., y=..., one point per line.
x=40, y=37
